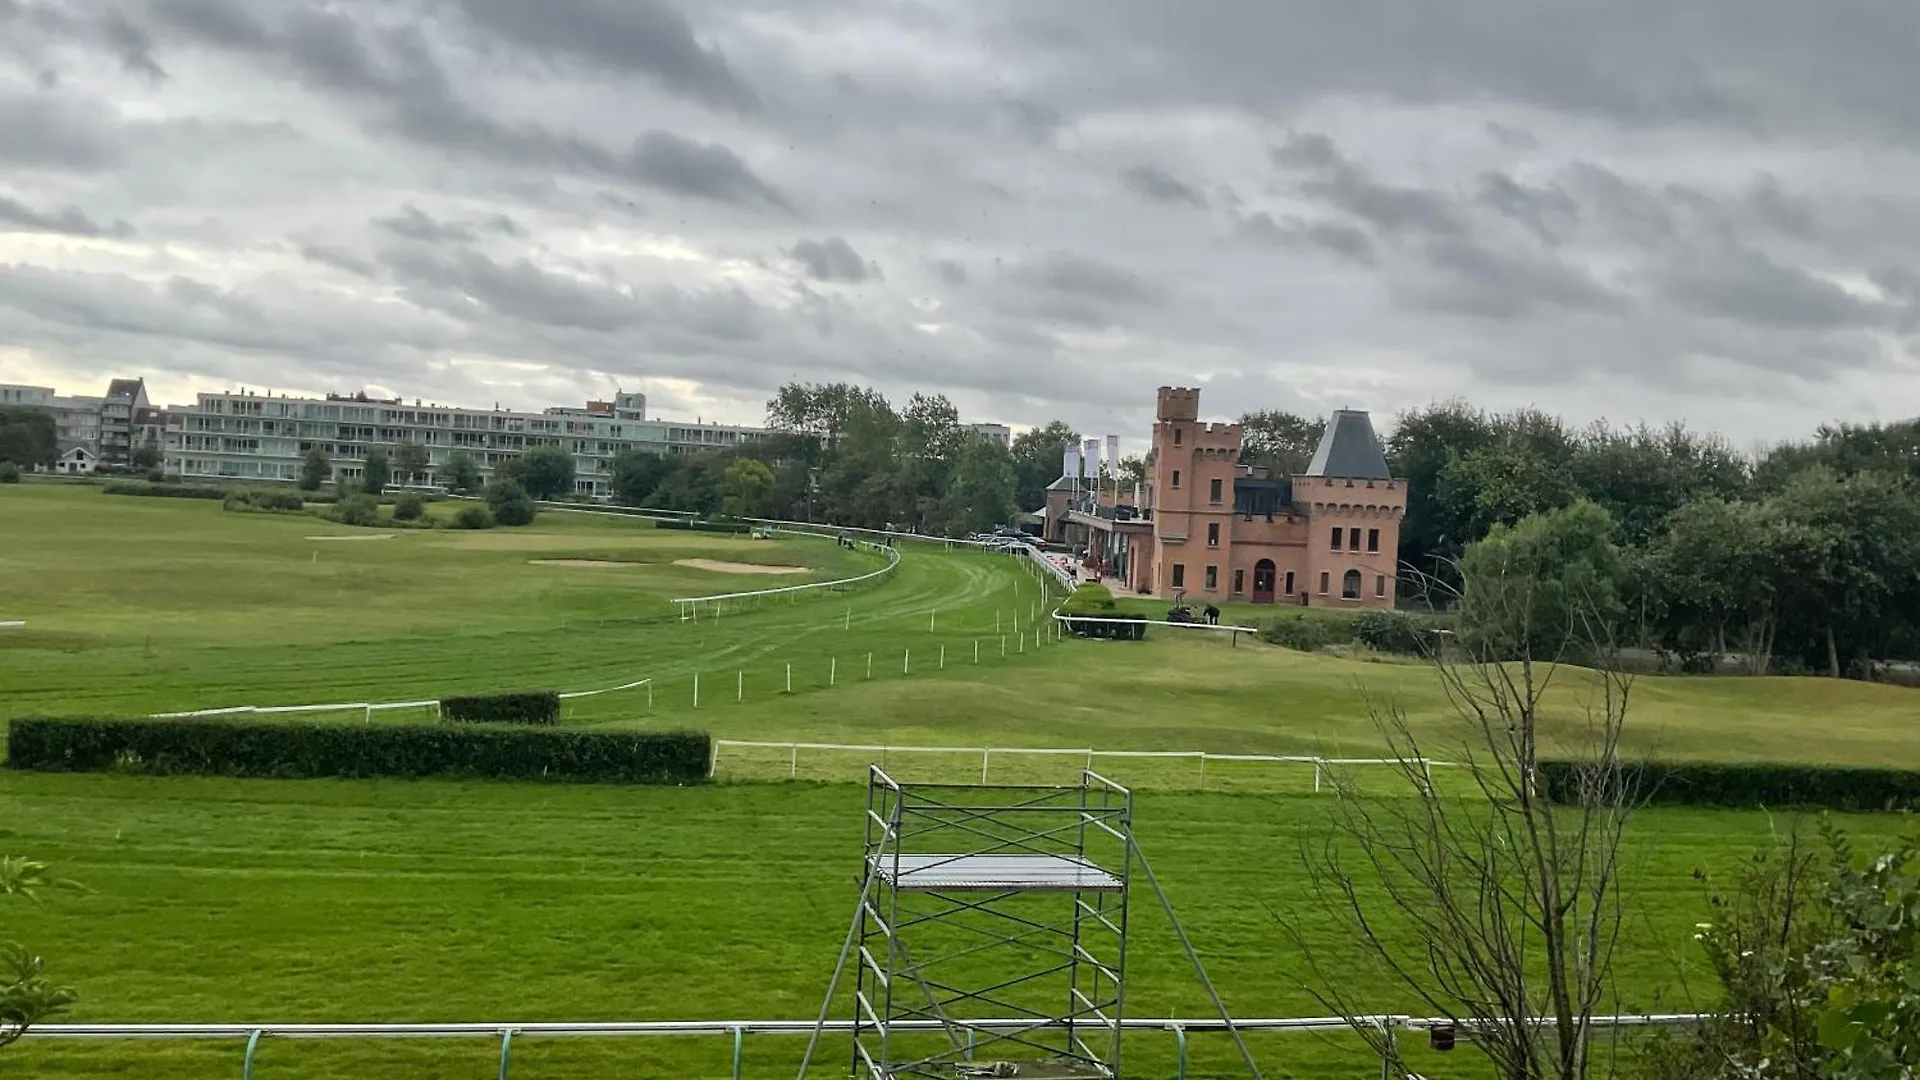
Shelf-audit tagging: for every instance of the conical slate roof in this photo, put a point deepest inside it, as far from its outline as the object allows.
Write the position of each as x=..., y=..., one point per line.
x=1349, y=450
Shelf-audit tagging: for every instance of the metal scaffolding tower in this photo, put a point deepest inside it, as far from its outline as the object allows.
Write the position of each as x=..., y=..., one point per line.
x=992, y=919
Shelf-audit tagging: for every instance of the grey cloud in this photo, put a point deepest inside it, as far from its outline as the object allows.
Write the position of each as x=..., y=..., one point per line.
x=1094, y=279
x=1158, y=185
x=1342, y=183
x=1465, y=278
x=50, y=131
x=396, y=70
x=132, y=44
x=703, y=170
x=1346, y=241
x=1548, y=212
x=1750, y=286
x=832, y=259
x=644, y=36
x=337, y=259
x=950, y=271
x=416, y=224
x=67, y=221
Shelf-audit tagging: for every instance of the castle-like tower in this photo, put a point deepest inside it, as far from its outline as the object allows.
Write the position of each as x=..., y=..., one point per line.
x=1330, y=535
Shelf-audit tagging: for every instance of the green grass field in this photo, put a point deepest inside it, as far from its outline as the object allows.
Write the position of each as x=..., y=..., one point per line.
x=271, y=901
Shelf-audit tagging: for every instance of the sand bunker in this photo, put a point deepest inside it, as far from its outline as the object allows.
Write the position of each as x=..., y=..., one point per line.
x=581, y=562
x=738, y=567
x=373, y=536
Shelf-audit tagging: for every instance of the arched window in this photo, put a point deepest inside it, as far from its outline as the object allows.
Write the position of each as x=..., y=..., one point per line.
x=1350, y=586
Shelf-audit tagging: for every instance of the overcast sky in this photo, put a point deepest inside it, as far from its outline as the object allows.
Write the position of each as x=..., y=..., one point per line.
x=1639, y=209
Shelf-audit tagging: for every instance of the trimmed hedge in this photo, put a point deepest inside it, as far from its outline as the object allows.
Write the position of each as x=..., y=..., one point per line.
x=1745, y=786
x=703, y=526
x=164, y=491
x=514, y=707
x=305, y=748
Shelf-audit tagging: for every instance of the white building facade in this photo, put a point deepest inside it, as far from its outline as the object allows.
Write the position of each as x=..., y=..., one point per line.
x=253, y=437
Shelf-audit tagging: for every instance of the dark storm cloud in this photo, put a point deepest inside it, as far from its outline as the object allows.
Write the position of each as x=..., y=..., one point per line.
x=1158, y=185
x=647, y=37
x=832, y=259
x=1346, y=241
x=1078, y=290
x=27, y=28
x=416, y=224
x=67, y=221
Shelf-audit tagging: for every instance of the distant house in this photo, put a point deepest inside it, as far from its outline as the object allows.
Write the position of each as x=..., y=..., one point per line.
x=76, y=461
x=1205, y=526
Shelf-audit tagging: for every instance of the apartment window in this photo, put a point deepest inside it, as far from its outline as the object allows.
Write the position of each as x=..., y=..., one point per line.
x=1213, y=490
x=1373, y=539
x=1240, y=580
x=1289, y=589
x=1353, y=540
x=1176, y=478
x=1350, y=585
x=1213, y=578
x=1213, y=534
x=1338, y=535
x=1176, y=436
x=1179, y=575
x=1379, y=584
x=1324, y=578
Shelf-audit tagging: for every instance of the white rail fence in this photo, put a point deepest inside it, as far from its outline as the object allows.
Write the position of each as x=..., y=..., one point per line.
x=689, y=606
x=506, y=1033
x=371, y=707
x=1081, y=756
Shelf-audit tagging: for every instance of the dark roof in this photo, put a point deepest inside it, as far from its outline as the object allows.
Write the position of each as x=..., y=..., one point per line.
x=1349, y=450
x=124, y=388
x=1065, y=483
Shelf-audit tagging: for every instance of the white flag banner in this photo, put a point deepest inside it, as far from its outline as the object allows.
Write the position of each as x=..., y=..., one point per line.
x=1091, y=448
x=1113, y=454
x=1070, y=461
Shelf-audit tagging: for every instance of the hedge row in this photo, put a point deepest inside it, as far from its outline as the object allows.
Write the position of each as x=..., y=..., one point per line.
x=1757, y=785
x=703, y=526
x=301, y=749
x=518, y=707
x=164, y=491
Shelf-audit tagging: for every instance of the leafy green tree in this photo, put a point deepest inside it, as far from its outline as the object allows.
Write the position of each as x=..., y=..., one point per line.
x=410, y=462
x=1861, y=584
x=546, y=471
x=1433, y=533
x=1551, y=580
x=980, y=496
x=9, y=473
x=409, y=507
x=462, y=473
x=1037, y=453
x=146, y=456
x=509, y=502
x=357, y=509
x=27, y=995
x=28, y=436
x=1642, y=475
x=376, y=473
x=1280, y=443
x=315, y=469
x=745, y=487
x=637, y=474
x=694, y=484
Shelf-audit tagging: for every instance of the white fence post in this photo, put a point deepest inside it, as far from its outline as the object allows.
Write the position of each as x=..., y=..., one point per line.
x=789, y=676
x=793, y=762
x=869, y=665
x=696, y=689
x=906, y=662
x=739, y=685
x=833, y=669
x=943, y=658
x=976, y=650
x=985, y=752
x=1003, y=647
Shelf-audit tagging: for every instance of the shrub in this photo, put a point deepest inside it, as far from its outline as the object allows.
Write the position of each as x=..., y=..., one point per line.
x=474, y=517
x=357, y=510
x=519, y=511
x=1393, y=632
x=165, y=491
x=1088, y=598
x=735, y=527
x=1756, y=785
x=409, y=507
x=312, y=748
x=266, y=499
x=518, y=707
x=1297, y=630
x=9, y=473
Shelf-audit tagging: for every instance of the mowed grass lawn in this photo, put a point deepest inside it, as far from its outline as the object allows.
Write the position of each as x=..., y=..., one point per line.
x=277, y=901
x=139, y=605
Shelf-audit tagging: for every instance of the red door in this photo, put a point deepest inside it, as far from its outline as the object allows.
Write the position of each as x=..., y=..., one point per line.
x=1263, y=581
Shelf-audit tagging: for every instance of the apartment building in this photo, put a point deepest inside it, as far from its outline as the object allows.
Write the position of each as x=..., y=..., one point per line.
x=999, y=433
x=263, y=437
x=76, y=422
